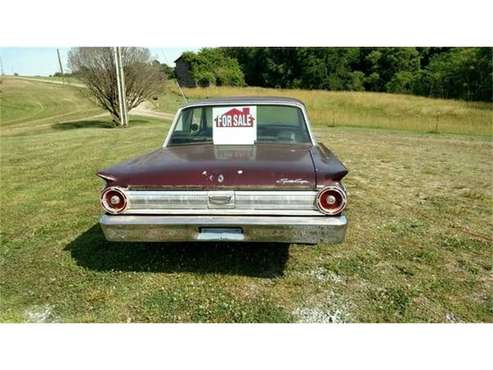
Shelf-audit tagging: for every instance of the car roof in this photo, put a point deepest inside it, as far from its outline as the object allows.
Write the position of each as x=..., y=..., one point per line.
x=245, y=100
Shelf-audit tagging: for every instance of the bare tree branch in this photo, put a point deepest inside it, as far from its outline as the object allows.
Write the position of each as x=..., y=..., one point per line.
x=95, y=67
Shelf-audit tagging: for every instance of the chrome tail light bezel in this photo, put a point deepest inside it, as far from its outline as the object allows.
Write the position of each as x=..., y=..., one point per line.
x=104, y=200
x=339, y=189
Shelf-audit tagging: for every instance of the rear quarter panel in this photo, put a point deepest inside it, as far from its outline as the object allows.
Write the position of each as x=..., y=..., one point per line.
x=328, y=168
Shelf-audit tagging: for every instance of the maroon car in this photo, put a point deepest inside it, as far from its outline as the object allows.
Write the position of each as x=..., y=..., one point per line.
x=230, y=169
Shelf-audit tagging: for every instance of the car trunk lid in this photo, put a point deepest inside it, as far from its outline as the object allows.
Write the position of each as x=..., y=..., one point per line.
x=207, y=166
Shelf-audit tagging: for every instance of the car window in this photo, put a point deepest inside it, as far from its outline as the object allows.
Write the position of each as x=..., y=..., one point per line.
x=193, y=126
x=281, y=124
x=268, y=115
x=275, y=123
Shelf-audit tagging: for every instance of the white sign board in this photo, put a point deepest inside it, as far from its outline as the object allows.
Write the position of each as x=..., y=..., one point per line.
x=234, y=125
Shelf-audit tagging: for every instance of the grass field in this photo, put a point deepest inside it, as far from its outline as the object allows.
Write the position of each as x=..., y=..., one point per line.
x=364, y=109
x=66, y=79
x=29, y=106
x=418, y=249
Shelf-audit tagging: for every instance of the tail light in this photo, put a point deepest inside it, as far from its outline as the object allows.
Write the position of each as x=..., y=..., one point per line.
x=113, y=200
x=332, y=200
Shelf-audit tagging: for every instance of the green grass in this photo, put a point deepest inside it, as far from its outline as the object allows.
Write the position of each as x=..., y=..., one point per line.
x=418, y=249
x=365, y=109
x=28, y=105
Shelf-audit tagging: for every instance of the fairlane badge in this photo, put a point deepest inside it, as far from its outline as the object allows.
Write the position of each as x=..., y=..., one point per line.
x=285, y=180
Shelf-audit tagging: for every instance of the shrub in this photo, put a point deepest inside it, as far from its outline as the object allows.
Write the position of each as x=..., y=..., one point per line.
x=213, y=67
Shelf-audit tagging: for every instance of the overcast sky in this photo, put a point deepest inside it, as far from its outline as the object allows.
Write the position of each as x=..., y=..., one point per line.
x=44, y=62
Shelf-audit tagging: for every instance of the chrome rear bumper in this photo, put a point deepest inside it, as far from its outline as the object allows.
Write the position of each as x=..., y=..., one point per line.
x=285, y=229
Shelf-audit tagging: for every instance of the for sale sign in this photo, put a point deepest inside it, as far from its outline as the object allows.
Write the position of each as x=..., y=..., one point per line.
x=234, y=125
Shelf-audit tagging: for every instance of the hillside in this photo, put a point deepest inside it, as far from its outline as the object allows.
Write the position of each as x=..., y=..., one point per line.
x=366, y=109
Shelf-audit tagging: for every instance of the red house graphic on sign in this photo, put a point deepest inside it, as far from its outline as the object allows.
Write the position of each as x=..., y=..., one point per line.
x=236, y=111
x=235, y=118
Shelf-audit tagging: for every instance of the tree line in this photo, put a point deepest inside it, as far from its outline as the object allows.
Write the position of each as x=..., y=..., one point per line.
x=458, y=73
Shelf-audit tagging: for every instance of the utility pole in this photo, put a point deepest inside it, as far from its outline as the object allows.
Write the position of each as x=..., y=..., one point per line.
x=1, y=66
x=60, y=64
x=181, y=91
x=59, y=61
x=120, y=82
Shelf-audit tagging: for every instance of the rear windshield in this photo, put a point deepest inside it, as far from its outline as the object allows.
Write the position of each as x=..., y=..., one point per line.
x=274, y=124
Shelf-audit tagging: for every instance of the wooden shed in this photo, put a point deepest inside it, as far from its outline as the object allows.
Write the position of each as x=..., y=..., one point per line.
x=183, y=73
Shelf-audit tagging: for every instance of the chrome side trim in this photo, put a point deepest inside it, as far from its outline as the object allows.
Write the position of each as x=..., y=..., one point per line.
x=155, y=200
x=225, y=211
x=221, y=202
x=287, y=229
x=292, y=200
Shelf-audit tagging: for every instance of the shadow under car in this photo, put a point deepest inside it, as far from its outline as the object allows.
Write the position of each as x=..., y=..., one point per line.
x=91, y=250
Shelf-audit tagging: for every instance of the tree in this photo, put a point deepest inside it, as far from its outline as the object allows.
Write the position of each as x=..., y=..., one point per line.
x=390, y=69
x=329, y=68
x=213, y=67
x=267, y=66
x=95, y=67
x=401, y=82
x=460, y=73
x=169, y=72
x=464, y=73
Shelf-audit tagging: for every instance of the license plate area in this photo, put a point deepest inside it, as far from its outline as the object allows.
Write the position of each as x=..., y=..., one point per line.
x=221, y=233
